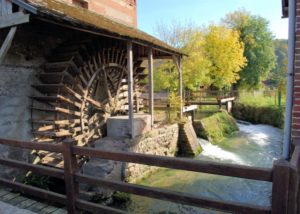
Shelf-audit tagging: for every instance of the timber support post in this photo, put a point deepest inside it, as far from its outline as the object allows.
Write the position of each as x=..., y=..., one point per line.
x=177, y=60
x=130, y=87
x=70, y=169
x=150, y=88
x=281, y=185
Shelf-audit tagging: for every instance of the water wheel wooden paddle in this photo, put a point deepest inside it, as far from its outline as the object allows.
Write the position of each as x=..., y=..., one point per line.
x=81, y=86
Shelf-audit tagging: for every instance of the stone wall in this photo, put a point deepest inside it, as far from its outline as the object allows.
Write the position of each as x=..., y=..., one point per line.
x=188, y=144
x=17, y=74
x=161, y=141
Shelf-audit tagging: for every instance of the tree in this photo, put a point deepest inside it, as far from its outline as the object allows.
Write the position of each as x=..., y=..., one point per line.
x=259, y=49
x=190, y=40
x=277, y=76
x=225, y=52
x=215, y=57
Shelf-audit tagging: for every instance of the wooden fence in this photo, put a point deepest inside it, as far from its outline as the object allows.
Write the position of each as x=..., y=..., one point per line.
x=205, y=95
x=284, y=176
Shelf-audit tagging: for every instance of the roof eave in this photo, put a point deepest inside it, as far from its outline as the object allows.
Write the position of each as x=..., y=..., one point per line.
x=69, y=23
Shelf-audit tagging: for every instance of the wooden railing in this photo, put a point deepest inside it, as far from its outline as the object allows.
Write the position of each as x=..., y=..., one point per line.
x=284, y=175
x=204, y=95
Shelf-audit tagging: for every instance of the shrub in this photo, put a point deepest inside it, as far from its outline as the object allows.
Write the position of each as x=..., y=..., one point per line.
x=271, y=115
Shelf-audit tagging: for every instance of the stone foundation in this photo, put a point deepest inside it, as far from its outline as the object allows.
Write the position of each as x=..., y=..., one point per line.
x=161, y=141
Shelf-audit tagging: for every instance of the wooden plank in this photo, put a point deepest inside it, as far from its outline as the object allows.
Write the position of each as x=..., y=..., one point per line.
x=38, y=192
x=17, y=200
x=281, y=176
x=225, y=100
x=7, y=43
x=60, y=211
x=9, y=197
x=14, y=19
x=37, y=207
x=97, y=208
x=48, y=209
x=27, y=203
x=190, y=108
x=130, y=86
x=33, y=167
x=232, y=170
x=177, y=197
x=3, y=192
x=33, y=146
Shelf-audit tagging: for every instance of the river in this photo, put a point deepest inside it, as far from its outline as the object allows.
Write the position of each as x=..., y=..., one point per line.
x=253, y=145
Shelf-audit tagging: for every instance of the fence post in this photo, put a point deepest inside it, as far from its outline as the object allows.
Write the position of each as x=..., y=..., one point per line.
x=70, y=168
x=280, y=192
x=294, y=182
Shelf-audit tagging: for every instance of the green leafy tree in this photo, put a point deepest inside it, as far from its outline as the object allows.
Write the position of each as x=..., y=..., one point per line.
x=277, y=76
x=259, y=49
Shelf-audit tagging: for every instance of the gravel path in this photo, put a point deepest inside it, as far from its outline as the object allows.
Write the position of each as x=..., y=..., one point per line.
x=9, y=209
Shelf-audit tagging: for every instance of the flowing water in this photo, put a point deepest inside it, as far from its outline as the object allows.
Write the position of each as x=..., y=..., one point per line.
x=253, y=145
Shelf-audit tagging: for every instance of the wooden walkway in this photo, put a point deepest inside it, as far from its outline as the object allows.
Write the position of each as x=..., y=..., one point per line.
x=17, y=200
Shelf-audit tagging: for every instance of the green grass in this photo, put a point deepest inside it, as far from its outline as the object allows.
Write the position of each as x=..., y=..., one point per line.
x=261, y=98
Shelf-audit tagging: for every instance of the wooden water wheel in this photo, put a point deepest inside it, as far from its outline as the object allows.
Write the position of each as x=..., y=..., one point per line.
x=81, y=86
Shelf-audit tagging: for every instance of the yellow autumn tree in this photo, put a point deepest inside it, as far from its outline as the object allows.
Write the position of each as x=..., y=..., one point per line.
x=225, y=52
x=215, y=57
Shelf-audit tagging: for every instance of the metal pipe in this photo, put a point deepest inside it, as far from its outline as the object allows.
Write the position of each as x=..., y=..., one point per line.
x=290, y=80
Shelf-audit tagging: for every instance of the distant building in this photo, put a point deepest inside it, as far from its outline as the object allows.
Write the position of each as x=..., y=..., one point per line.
x=123, y=11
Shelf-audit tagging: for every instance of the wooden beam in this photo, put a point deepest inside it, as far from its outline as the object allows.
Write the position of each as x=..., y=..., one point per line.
x=13, y=19
x=7, y=43
x=130, y=87
x=151, y=86
x=25, y=6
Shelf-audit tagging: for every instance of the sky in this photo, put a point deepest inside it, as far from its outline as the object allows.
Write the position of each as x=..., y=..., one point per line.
x=204, y=12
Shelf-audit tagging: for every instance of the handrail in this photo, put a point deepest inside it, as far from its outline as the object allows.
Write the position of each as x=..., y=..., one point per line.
x=232, y=170
x=284, y=175
x=173, y=196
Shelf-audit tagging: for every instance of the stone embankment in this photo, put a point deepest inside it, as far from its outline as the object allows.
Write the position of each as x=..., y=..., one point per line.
x=188, y=144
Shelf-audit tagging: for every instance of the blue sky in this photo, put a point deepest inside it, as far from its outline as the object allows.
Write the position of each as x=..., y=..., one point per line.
x=203, y=12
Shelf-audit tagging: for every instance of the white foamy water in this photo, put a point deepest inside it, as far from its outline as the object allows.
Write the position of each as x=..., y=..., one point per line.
x=216, y=153
x=262, y=135
x=253, y=145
